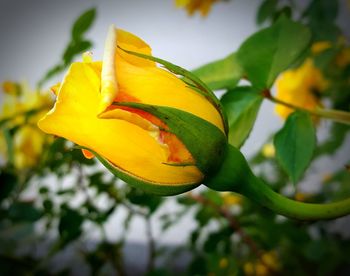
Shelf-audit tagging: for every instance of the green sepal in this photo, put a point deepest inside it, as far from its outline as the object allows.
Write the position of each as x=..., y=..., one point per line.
x=233, y=172
x=205, y=141
x=143, y=184
x=190, y=79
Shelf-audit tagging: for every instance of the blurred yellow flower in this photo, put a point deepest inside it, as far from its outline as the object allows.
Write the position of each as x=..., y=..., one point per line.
x=320, y=46
x=192, y=6
x=300, y=87
x=343, y=58
x=265, y=266
x=300, y=196
x=271, y=260
x=10, y=88
x=223, y=263
x=230, y=198
x=28, y=145
x=23, y=110
x=249, y=268
x=268, y=150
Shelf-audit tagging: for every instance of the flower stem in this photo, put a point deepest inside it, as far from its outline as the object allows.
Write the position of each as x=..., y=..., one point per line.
x=332, y=114
x=261, y=193
x=236, y=176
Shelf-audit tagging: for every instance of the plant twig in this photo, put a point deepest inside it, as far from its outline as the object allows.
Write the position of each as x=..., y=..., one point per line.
x=151, y=245
x=234, y=224
x=332, y=114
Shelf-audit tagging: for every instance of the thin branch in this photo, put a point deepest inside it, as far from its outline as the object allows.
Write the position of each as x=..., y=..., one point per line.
x=332, y=114
x=151, y=245
x=234, y=224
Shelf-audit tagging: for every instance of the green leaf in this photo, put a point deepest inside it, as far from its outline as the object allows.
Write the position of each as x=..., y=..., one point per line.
x=221, y=74
x=9, y=145
x=295, y=144
x=266, y=11
x=70, y=225
x=8, y=183
x=321, y=16
x=75, y=48
x=139, y=197
x=241, y=105
x=322, y=10
x=337, y=137
x=270, y=51
x=24, y=211
x=83, y=23
x=76, y=45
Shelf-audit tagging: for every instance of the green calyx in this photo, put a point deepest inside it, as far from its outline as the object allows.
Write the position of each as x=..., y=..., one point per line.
x=206, y=142
x=236, y=176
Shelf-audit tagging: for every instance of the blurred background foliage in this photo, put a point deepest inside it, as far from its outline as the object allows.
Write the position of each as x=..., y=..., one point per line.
x=40, y=175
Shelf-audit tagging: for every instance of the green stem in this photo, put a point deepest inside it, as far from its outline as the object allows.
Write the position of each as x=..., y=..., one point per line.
x=236, y=176
x=332, y=114
x=261, y=193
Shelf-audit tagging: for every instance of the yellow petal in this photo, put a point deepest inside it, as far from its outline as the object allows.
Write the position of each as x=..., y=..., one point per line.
x=109, y=85
x=130, y=117
x=126, y=145
x=130, y=42
x=155, y=86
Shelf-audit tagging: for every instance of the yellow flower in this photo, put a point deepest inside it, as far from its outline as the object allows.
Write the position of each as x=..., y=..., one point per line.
x=320, y=46
x=135, y=143
x=300, y=87
x=268, y=150
x=265, y=266
x=23, y=110
x=28, y=146
x=249, y=268
x=223, y=263
x=343, y=58
x=192, y=6
x=271, y=260
x=10, y=88
x=231, y=198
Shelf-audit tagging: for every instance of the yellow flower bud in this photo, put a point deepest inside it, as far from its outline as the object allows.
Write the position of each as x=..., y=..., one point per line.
x=125, y=110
